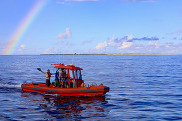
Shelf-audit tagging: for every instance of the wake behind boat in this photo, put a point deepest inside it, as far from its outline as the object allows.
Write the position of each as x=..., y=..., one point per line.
x=73, y=84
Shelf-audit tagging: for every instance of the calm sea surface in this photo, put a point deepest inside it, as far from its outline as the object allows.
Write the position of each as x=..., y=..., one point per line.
x=141, y=88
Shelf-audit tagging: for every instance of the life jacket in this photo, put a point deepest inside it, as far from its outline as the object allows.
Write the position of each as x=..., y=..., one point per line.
x=49, y=74
x=63, y=75
x=56, y=75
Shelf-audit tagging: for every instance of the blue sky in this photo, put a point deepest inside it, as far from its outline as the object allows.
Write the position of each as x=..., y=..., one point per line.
x=94, y=26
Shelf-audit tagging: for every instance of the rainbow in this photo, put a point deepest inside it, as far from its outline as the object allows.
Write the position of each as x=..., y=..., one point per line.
x=23, y=26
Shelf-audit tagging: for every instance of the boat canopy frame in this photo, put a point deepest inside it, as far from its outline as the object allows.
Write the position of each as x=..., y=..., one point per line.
x=62, y=66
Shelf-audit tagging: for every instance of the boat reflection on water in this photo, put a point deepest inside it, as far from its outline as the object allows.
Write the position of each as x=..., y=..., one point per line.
x=60, y=107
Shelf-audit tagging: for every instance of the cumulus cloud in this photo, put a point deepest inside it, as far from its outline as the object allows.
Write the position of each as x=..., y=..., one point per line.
x=154, y=44
x=122, y=43
x=168, y=45
x=125, y=45
x=138, y=46
x=131, y=44
x=101, y=45
x=21, y=48
x=64, y=35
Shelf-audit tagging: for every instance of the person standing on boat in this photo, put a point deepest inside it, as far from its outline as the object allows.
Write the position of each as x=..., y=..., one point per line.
x=57, y=79
x=48, y=76
x=63, y=77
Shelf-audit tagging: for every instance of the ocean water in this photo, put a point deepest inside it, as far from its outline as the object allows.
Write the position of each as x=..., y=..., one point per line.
x=142, y=87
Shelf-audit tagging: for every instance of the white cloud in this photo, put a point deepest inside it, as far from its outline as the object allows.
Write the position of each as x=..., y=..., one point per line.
x=21, y=48
x=64, y=35
x=130, y=37
x=138, y=46
x=122, y=43
x=168, y=45
x=126, y=45
x=101, y=45
x=154, y=43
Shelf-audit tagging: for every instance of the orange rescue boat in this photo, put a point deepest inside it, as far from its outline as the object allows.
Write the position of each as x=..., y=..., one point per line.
x=75, y=84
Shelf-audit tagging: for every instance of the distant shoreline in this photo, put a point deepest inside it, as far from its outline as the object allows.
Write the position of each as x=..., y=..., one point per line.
x=111, y=54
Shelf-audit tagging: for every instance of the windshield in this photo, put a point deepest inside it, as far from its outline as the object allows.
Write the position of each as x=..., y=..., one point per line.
x=70, y=74
x=77, y=74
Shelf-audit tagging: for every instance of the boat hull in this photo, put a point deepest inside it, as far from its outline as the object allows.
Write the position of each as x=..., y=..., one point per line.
x=80, y=91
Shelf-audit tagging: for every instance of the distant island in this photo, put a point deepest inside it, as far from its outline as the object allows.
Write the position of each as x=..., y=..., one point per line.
x=111, y=54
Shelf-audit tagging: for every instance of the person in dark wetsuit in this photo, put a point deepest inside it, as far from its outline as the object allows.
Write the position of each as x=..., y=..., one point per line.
x=62, y=77
x=57, y=84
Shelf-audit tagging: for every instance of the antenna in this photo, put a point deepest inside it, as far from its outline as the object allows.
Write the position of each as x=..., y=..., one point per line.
x=63, y=56
x=59, y=57
x=73, y=58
